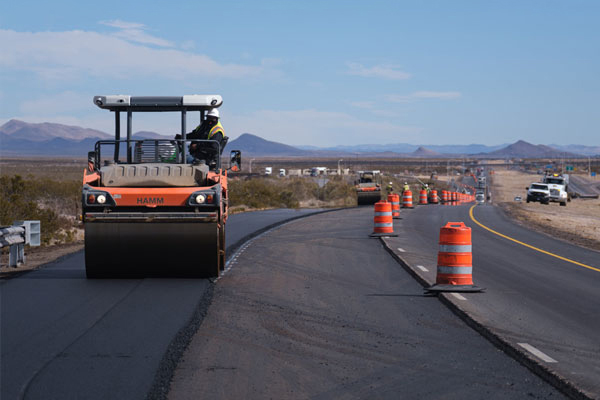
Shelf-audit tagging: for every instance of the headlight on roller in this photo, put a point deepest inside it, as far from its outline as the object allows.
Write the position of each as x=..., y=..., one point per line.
x=203, y=198
x=200, y=199
x=101, y=199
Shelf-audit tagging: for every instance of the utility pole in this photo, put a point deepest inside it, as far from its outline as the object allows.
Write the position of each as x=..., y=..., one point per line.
x=250, y=168
x=339, y=170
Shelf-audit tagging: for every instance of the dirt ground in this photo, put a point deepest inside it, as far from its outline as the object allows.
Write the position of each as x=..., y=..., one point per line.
x=578, y=222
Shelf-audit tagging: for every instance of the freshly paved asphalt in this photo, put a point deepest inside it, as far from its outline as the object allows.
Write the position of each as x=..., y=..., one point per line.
x=317, y=309
x=65, y=337
x=530, y=297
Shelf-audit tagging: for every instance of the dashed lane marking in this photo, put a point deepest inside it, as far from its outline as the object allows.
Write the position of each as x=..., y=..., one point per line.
x=458, y=296
x=528, y=245
x=537, y=353
x=401, y=249
x=422, y=268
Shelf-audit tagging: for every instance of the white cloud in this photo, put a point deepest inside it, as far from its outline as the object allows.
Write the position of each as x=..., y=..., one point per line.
x=397, y=98
x=314, y=127
x=188, y=45
x=68, y=55
x=59, y=103
x=385, y=71
x=436, y=95
x=134, y=32
x=367, y=105
x=117, y=23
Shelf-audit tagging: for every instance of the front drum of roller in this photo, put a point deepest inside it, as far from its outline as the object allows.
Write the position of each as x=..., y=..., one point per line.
x=151, y=249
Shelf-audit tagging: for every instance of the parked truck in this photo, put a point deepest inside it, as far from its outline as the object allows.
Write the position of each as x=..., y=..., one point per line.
x=558, y=185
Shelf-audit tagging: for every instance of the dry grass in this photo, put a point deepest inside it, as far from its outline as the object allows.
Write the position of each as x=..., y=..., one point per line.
x=578, y=222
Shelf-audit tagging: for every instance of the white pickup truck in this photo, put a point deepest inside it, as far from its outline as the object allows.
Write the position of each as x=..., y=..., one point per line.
x=538, y=192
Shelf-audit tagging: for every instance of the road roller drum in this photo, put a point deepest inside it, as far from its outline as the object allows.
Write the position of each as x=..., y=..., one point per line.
x=143, y=249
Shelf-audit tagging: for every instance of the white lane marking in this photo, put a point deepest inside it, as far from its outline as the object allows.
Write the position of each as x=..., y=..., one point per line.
x=458, y=296
x=537, y=353
x=422, y=268
x=401, y=249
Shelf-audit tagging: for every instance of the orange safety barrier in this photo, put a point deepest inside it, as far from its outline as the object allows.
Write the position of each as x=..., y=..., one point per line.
x=454, y=196
x=455, y=261
x=434, y=197
x=394, y=199
x=423, y=196
x=384, y=226
x=407, y=199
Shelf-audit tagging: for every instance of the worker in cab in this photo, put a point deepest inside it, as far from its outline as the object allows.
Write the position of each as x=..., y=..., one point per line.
x=209, y=129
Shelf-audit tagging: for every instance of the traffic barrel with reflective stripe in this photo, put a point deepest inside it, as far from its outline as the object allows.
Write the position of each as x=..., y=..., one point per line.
x=445, y=196
x=394, y=199
x=454, y=196
x=455, y=261
x=384, y=225
x=407, y=199
x=423, y=196
x=434, y=197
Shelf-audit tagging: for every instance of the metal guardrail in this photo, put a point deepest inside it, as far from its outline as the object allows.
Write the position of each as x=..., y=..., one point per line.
x=16, y=237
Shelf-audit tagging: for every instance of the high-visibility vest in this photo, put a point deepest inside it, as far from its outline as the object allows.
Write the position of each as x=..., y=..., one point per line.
x=215, y=129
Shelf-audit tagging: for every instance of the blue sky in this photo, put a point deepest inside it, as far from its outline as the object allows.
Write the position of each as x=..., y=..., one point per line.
x=316, y=72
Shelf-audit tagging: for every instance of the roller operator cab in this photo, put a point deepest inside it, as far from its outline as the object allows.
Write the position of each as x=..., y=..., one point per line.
x=149, y=206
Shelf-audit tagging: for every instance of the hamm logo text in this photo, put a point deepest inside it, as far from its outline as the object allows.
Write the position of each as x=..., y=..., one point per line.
x=150, y=200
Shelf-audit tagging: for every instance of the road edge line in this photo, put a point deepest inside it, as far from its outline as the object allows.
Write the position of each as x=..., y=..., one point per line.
x=562, y=384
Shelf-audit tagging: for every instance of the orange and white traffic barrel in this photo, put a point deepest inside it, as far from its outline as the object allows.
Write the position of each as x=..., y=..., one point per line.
x=384, y=225
x=394, y=199
x=445, y=196
x=434, y=197
x=423, y=196
x=455, y=260
x=407, y=199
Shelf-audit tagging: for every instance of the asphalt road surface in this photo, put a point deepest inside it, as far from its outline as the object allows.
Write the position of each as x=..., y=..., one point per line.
x=583, y=186
x=316, y=309
x=65, y=337
x=531, y=297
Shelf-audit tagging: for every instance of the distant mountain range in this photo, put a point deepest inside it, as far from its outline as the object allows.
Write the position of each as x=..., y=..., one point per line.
x=521, y=148
x=18, y=138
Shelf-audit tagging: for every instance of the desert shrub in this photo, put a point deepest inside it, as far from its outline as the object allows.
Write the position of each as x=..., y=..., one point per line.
x=40, y=199
x=261, y=193
x=289, y=192
x=338, y=191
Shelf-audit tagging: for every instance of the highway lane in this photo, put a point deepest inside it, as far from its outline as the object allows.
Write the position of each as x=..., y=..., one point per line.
x=531, y=297
x=316, y=309
x=63, y=336
x=583, y=186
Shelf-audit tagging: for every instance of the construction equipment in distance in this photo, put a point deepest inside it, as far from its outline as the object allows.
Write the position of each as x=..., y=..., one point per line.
x=368, y=189
x=148, y=207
